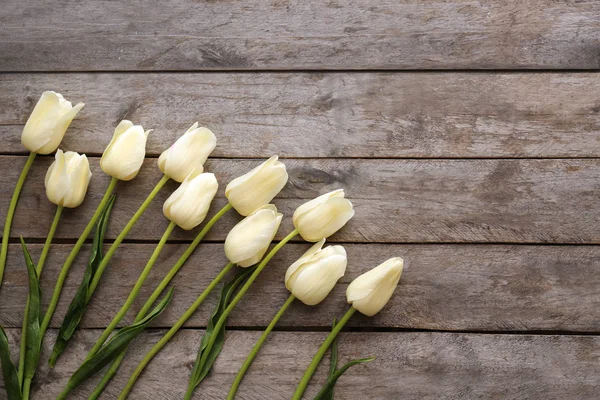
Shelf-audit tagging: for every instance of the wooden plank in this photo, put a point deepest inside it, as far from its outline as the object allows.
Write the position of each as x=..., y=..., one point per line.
x=412, y=365
x=444, y=287
x=327, y=114
x=343, y=34
x=396, y=201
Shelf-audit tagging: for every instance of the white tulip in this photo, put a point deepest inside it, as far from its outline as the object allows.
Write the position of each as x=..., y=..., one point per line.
x=67, y=179
x=323, y=216
x=313, y=276
x=249, y=240
x=125, y=153
x=371, y=291
x=189, y=204
x=48, y=123
x=258, y=187
x=188, y=154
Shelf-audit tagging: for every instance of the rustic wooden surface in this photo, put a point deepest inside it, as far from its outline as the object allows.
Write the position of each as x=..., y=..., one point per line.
x=465, y=132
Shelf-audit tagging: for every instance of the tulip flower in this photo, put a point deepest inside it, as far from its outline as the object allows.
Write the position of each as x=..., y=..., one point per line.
x=48, y=123
x=186, y=207
x=309, y=279
x=42, y=134
x=371, y=291
x=249, y=240
x=257, y=187
x=67, y=179
x=189, y=204
x=125, y=153
x=66, y=183
x=121, y=160
x=186, y=157
x=368, y=293
x=323, y=216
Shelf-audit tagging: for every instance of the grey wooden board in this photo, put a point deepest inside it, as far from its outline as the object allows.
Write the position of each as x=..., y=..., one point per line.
x=418, y=115
x=444, y=287
x=396, y=201
x=341, y=34
x=410, y=365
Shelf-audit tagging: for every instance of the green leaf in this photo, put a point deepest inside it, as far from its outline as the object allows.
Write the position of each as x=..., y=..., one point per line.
x=199, y=372
x=9, y=372
x=80, y=301
x=33, y=338
x=329, y=393
x=331, y=381
x=115, y=346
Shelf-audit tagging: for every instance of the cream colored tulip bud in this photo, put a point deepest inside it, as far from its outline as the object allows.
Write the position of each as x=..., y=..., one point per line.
x=67, y=179
x=313, y=275
x=186, y=157
x=249, y=240
x=371, y=291
x=258, y=187
x=189, y=204
x=323, y=216
x=48, y=123
x=125, y=153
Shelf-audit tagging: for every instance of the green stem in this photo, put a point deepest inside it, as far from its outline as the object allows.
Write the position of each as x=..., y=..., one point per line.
x=48, y=242
x=134, y=292
x=256, y=348
x=73, y=254
x=320, y=353
x=163, y=341
x=11, y=212
x=113, y=248
x=39, y=268
x=236, y=300
x=156, y=293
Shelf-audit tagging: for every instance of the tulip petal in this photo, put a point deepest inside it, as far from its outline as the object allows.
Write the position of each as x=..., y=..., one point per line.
x=40, y=126
x=325, y=220
x=189, y=204
x=315, y=248
x=314, y=281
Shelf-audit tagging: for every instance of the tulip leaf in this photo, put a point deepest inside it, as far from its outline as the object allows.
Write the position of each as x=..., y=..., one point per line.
x=33, y=337
x=199, y=372
x=9, y=372
x=113, y=348
x=80, y=301
x=326, y=392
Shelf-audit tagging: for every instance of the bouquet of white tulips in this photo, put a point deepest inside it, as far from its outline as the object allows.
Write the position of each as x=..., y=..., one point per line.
x=310, y=279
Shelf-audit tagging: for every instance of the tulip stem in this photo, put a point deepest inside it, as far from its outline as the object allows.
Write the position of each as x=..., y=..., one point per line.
x=257, y=346
x=157, y=292
x=236, y=300
x=320, y=353
x=134, y=292
x=113, y=248
x=39, y=268
x=73, y=254
x=163, y=341
x=11, y=212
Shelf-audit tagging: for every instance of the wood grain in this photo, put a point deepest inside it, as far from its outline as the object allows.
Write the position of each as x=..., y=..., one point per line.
x=444, y=287
x=409, y=366
x=368, y=115
x=341, y=34
x=396, y=201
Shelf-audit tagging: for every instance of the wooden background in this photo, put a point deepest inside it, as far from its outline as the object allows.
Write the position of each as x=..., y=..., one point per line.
x=465, y=133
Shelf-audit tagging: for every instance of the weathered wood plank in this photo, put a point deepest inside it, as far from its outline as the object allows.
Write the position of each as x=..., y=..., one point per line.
x=343, y=34
x=444, y=287
x=327, y=114
x=535, y=201
x=409, y=365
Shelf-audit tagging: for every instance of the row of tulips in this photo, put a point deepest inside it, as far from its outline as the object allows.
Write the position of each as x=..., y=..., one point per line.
x=310, y=279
